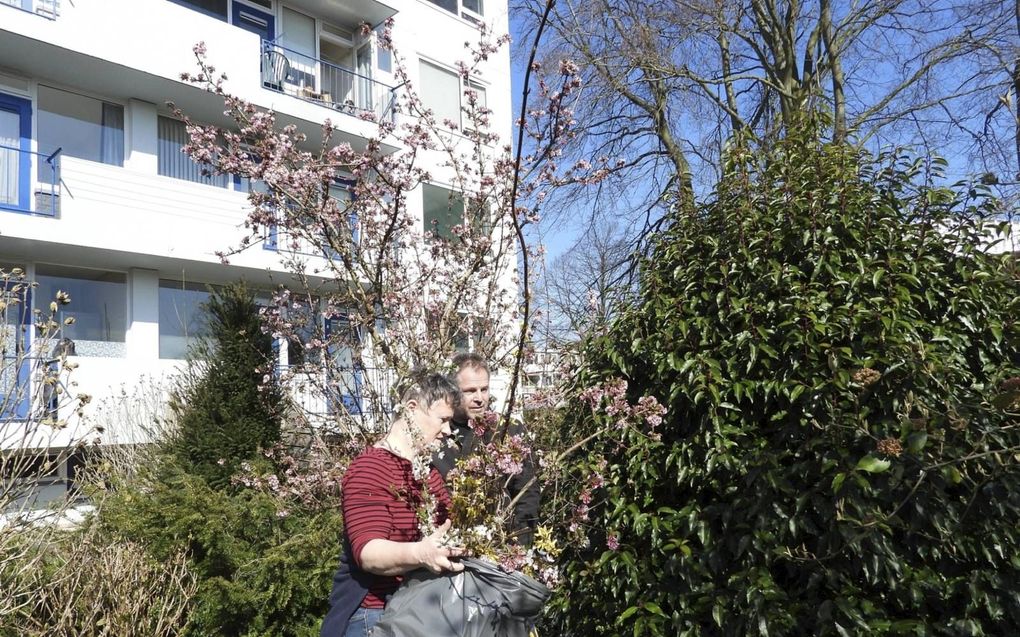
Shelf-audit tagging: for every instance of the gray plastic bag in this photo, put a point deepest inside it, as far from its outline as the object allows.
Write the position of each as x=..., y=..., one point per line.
x=480, y=601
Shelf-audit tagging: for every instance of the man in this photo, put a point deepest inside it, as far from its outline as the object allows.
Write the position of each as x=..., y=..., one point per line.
x=471, y=374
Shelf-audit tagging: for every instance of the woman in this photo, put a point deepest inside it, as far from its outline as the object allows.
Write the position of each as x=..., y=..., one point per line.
x=382, y=492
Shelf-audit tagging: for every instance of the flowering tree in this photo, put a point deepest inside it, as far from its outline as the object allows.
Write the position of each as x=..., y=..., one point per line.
x=407, y=294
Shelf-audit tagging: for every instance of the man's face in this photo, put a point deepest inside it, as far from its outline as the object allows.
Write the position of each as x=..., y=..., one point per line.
x=433, y=420
x=474, y=385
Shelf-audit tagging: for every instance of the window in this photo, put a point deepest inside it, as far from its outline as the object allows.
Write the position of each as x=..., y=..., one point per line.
x=172, y=162
x=440, y=91
x=214, y=8
x=297, y=38
x=480, y=102
x=470, y=9
x=79, y=126
x=98, y=305
x=344, y=371
x=443, y=209
x=181, y=319
x=384, y=58
x=443, y=92
x=15, y=142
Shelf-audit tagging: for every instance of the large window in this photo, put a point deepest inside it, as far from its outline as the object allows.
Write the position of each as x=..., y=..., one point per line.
x=173, y=162
x=80, y=126
x=440, y=91
x=443, y=91
x=443, y=209
x=181, y=319
x=98, y=306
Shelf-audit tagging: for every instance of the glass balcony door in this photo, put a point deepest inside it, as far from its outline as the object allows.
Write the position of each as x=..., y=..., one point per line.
x=15, y=365
x=363, y=94
x=15, y=140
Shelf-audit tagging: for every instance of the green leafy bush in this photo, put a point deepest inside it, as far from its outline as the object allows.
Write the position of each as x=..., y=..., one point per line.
x=839, y=455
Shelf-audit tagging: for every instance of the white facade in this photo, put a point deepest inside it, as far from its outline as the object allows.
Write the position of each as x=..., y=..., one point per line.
x=124, y=223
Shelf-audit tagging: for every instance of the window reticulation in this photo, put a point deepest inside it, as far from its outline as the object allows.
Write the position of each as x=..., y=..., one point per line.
x=173, y=162
x=181, y=319
x=443, y=209
x=443, y=92
x=79, y=126
x=470, y=9
x=440, y=91
x=98, y=305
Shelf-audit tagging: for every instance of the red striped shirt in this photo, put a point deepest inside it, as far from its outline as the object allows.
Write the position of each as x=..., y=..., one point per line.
x=380, y=500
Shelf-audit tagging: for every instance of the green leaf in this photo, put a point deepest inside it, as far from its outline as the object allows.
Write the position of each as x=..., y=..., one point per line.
x=952, y=474
x=837, y=482
x=873, y=464
x=916, y=441
x=652, y=607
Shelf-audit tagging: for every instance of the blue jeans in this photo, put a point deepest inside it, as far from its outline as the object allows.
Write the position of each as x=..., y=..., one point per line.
x=362, y=621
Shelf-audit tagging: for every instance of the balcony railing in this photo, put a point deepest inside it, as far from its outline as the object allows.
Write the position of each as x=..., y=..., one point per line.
x=324, y=397
x=278, y=239
x=19, y=192
x=315, y=80
x=49, y=9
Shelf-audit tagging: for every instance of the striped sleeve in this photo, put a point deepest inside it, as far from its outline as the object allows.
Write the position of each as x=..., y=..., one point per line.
x=366, y=495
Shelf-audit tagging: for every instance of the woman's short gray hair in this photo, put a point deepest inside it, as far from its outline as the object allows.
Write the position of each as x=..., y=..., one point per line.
x=426, y=387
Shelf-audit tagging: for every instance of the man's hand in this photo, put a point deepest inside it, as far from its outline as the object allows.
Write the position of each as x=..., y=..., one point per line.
x=432, y=552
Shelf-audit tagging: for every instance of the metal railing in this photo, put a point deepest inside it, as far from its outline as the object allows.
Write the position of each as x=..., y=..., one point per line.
x=31, y=388
x=19, y=192
x=49, y=9
x=279, y=239
x=314, y=80
x=346, y=392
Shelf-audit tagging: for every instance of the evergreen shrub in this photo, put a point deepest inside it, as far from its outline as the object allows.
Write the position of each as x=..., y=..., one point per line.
x=228, y=407
x=839, y=357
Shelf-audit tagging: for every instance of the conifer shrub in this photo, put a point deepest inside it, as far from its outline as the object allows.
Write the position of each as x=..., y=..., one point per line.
x=262, y=569
x=839, y=358
x=229, y=406
x=258, y=521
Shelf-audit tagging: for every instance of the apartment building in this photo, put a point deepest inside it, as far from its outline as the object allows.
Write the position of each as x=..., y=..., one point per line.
x=96, y=198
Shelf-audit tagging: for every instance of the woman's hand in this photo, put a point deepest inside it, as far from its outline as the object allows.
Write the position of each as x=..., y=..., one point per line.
x=433, y=553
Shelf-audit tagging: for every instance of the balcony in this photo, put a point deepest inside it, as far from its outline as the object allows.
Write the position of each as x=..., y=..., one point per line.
x=17, y=193
x=48, y=9
x=313, y=80
x=323, y=396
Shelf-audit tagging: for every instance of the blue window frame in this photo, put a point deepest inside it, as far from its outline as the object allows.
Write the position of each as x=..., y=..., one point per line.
x=15, y=153
x=344, y=367
x=342, y=189
x=258, y=22
x=16, y=364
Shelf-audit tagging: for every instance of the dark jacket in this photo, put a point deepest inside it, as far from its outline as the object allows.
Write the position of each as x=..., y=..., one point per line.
x=525, y=515
x=349, y=589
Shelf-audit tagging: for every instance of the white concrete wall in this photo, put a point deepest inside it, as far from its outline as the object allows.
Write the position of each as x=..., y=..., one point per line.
x=132, y=52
